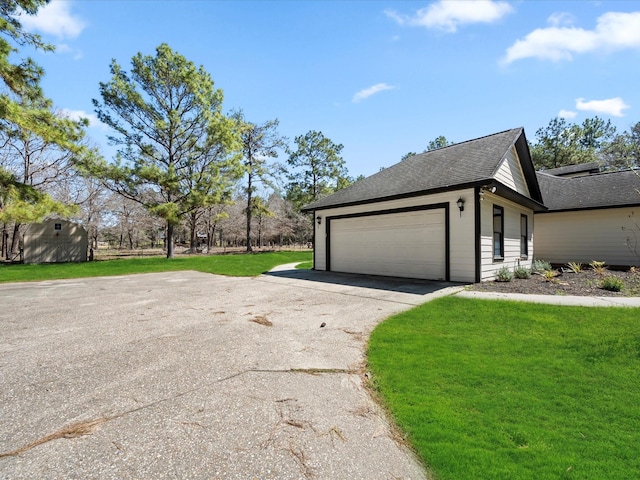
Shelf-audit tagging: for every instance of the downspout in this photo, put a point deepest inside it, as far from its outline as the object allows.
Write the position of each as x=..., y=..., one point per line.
x=477, y=213
x=313, y=222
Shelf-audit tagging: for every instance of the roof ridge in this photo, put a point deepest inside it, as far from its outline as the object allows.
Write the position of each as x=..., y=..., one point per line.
x=481, y=138
x=472, y=140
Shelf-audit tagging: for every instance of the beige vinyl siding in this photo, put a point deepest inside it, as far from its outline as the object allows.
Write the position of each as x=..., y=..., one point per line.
x=43, y=243
x=588, y=235
x=511, y=232
x=462, y=245
x=510, y=173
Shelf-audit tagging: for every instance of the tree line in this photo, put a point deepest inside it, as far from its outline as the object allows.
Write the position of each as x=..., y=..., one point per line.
x=179, y=160
x=183, y=168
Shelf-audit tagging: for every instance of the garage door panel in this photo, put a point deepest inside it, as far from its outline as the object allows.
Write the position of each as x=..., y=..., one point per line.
x=410, y=244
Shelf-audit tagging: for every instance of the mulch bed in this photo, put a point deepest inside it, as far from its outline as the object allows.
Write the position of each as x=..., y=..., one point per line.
x=586, y=283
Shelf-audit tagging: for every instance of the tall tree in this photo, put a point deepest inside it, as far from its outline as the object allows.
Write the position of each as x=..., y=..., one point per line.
x=596, y=133
x=177, y=151
x=623, y=151
x=22, y=103
x=438, y=142
x=26, y=115
x=560, y=143
x=318, y=166
x=260, y=142
x=34, y=162
x=634, y=142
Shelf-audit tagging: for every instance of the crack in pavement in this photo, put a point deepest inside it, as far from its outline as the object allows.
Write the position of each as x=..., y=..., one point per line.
x=87, y=427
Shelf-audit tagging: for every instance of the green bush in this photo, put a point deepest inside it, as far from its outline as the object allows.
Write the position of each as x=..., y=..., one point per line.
x=541, y=266
x=522, y=272
x=612, y=283
x=504, y=275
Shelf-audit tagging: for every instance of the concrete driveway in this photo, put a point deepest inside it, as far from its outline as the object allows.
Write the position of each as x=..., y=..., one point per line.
x=190, y=375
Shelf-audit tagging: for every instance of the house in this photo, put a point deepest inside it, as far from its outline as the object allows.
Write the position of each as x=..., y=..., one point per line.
x=54, y=241
x=458, y=213
x=590, y=216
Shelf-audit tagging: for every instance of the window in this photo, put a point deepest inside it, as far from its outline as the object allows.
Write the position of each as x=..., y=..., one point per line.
x=57, y=226
x=524, y=235
x=498, y=233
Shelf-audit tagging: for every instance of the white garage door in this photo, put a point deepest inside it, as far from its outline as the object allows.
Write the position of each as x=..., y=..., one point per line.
x=407, y=244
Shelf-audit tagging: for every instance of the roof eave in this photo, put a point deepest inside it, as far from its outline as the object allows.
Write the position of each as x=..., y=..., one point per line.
x=489, y=182
x=591, y=207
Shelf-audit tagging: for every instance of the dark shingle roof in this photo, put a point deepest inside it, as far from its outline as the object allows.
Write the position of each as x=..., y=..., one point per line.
x=613, y=189
x=585, y=168
x=465, y=163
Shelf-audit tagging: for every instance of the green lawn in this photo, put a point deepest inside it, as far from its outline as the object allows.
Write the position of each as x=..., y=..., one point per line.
x=240, y=265
x=505, y=390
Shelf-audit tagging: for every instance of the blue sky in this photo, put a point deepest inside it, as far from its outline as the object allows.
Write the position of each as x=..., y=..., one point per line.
x=381, y=77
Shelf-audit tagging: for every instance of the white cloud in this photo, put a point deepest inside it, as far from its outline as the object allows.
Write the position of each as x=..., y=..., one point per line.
x=367, y=92
x=79, y=114
x=611, y=106
x=560, y=18
x=66, y=48
x=614, y=31
x=55, y=18
x=449, y=15
x=567, y=114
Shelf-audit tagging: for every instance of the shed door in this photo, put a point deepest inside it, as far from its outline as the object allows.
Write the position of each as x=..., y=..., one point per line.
x=408, y=244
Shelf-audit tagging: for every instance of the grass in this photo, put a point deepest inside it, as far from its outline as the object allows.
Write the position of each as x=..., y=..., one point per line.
x=244, y=265
x=305, y=265
x=505, y=390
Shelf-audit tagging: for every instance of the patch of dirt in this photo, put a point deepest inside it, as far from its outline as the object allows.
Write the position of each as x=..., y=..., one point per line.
x=585, y=283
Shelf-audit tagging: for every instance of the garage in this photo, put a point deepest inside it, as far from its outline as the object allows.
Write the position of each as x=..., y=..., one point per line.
x=431, y=216
x=410, y=243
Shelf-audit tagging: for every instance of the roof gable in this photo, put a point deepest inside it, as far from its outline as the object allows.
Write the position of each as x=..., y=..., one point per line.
x=462, y=165
x=510, y=173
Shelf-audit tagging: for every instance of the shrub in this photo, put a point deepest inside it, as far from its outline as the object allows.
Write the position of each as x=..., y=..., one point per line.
x=540, y=266
x=612, y=283
x=504, y=275
x=575, y=267
x=598, y=267
x=522, y=272
x=550, y=275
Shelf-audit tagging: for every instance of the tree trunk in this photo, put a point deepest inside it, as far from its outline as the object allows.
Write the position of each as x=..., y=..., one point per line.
x=169, y=240
x=192, y=239
x=14, y=238
x=211, y=240
x=5, y=235
x=249, y=249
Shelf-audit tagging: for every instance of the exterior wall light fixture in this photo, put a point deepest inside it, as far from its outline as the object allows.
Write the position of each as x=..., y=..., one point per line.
x=484, y=189
x=460, y=204
x=319, y=219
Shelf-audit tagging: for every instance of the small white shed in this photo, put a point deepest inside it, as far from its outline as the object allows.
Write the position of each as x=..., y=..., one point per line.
x=55, y=241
